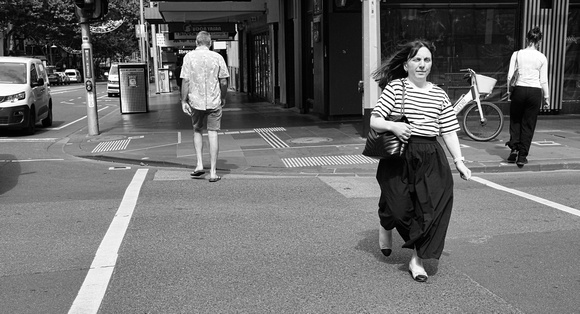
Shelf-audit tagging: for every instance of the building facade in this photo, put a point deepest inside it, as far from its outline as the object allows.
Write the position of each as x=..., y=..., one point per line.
x=310, y=54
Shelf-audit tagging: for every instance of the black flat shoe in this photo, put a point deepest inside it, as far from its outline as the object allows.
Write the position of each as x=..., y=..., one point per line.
x=386, y=252
x=513, y=156
x=521, y=161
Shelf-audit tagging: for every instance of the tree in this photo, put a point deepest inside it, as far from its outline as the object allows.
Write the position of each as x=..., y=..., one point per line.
x=43, y=23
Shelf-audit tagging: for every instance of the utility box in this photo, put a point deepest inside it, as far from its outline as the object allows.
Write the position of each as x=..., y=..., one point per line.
x=133, y=87
x=164, y=85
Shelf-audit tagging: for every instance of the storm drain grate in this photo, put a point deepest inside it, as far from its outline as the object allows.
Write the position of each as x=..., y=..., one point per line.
x=327, y=161
x=111, y=146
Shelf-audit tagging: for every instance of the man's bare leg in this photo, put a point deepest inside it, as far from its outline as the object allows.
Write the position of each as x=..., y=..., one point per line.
x=213, y=152
x=198, y=145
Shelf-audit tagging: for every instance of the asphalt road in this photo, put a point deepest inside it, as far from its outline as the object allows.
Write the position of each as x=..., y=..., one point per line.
x=265, y=244
x=256, y=244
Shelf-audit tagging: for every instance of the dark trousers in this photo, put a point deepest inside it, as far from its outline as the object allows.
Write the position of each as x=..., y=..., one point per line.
x=524, y=108
x=417, y=196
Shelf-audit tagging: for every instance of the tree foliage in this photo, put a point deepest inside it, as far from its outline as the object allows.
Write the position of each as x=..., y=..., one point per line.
x=53, y=22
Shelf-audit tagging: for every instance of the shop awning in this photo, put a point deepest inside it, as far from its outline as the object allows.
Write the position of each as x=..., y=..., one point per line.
x=210, y=12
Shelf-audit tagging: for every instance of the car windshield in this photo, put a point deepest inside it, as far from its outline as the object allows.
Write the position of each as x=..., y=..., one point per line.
x=70, y=73
x=12, y=73
x=114, y=70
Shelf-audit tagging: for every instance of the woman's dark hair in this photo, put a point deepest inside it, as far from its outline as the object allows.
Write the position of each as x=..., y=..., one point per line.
x=534, y=35
x=393, y=68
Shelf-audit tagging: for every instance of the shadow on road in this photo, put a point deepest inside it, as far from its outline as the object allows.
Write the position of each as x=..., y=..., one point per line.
x=9, y=173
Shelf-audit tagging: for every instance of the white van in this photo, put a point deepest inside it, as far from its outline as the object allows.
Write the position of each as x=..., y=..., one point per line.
x=113, y=80
x=74, y=75
x=24, y=94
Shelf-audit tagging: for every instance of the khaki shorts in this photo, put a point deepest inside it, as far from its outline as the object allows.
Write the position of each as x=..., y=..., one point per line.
x=212, y=118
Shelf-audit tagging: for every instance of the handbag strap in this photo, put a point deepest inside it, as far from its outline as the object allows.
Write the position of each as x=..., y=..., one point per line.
x=403, y=98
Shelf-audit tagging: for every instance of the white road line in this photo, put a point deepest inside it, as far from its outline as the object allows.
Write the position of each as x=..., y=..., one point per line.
x=73, y=122
x=540, y=200
x=30, y=160
x=27, y=140
x=93, y=290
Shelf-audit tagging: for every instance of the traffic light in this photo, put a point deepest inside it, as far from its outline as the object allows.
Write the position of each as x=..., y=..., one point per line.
x=92, y=9
x=86, y=6
x=101, y=9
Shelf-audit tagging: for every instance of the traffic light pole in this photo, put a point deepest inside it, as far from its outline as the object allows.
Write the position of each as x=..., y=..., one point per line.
x=89, y=77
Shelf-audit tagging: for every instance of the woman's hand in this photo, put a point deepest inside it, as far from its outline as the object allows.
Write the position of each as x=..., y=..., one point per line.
x=402, y=130
x=546, y=104
x=464, y=172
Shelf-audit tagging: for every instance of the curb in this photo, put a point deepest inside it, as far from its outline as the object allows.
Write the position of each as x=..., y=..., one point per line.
x=490, y=167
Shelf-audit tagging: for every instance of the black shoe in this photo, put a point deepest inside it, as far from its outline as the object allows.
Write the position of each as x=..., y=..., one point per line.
x=521, y=161
x=513, y=156
x=386, y=252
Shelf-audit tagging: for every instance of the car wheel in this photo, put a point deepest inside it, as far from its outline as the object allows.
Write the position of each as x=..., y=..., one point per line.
x=31, y=127
x=46, y=122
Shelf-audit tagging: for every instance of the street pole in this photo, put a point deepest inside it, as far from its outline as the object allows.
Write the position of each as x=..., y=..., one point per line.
x=89, y=77
x=371, y=58
x=155, y=58
x=142, y=34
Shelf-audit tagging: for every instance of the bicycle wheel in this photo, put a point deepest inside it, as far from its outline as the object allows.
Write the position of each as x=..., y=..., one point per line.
x=483, y=130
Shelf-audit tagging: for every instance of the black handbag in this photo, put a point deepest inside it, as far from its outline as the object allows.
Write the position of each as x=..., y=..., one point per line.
x=515, y=76
x=386, y=144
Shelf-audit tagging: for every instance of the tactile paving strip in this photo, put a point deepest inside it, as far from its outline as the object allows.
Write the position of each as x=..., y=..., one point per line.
x=327, y=161
x=111, y=146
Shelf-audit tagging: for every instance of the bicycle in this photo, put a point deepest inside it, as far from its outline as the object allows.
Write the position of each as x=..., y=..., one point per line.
x=482, y=121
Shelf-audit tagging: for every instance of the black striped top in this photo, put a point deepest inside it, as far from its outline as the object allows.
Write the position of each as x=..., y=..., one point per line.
x=429, y=111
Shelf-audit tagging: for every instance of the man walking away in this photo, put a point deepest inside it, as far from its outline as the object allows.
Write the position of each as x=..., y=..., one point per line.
x=203, y=94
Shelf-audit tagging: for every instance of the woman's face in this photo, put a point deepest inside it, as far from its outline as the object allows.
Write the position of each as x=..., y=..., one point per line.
x=419, y=66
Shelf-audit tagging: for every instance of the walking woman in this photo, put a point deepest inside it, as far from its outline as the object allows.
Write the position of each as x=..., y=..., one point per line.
x=530, y=92
x=416, y=190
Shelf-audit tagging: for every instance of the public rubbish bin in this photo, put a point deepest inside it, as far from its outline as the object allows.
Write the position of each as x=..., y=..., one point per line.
x=133, y=87
x=164, y=85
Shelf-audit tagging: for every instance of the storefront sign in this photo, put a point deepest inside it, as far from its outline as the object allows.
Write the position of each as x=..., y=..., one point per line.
x=218, y=31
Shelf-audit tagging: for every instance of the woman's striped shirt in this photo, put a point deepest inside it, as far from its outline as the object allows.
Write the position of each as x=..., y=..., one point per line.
x=429, y=111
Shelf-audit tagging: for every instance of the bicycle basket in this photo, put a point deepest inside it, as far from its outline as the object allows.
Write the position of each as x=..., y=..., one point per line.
x=485, y=84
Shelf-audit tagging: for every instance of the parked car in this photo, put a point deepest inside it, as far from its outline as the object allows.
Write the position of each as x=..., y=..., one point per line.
x=64, y=78
x=53, y=77
x=24, y=94
x=113, y=80
x=74, y=75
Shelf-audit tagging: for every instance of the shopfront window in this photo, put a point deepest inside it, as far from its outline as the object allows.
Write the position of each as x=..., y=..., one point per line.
x=261, y=68
x=572, y=64
x=476, y=36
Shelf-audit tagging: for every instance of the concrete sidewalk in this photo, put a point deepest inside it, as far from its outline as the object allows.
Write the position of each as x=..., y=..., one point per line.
x=258, y=137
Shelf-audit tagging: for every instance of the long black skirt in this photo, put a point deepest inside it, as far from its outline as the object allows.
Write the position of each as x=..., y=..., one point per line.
x=417, y=196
